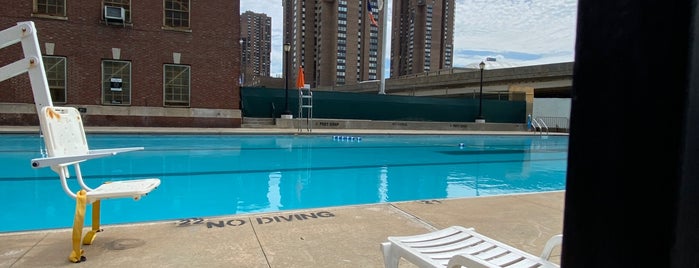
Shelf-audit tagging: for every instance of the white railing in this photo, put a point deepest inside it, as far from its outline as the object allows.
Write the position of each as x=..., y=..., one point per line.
x=542, y=125
x=556, y=123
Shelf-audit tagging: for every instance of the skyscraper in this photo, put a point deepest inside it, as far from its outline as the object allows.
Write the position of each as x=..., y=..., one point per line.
x=422, y=36
x=256, y=46
x=334, y=40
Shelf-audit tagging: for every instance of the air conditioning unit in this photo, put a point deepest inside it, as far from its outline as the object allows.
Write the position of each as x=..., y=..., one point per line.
x=114, y=13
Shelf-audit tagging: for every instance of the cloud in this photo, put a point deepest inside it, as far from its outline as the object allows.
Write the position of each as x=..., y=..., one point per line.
x=520, y=32
x=524, y=32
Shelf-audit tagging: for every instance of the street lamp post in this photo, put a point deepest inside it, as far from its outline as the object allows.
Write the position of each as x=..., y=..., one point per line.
x=242, y=62
x=287, y=113
x=480, y=118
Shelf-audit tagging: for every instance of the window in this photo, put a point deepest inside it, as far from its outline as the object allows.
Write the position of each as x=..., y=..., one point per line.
x=50, y=7
x=176, y=85
x=177, y=13
x=55, y=68
x=116, y=82
x=126, y=4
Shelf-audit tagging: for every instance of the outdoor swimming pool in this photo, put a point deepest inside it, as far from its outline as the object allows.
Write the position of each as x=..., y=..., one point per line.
x=214, y=175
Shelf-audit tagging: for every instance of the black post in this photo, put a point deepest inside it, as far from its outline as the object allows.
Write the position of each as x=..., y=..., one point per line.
x=287, y=46
x=242, y=62
x=480, y=95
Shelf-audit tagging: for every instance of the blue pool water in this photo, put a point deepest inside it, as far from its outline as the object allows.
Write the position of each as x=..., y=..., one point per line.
x=214, y=175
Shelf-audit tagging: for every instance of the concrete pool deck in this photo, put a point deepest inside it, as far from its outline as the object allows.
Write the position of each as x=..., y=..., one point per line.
x=347, y=236
x=325, y=237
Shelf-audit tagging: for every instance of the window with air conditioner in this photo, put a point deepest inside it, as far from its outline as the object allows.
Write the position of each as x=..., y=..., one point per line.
x=114, y=13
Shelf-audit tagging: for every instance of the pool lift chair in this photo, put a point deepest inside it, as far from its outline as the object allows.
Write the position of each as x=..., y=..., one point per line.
x=65, y=140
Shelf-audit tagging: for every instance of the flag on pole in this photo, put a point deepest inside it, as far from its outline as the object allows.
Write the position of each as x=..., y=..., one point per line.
x=300, y=80
x=371, y=14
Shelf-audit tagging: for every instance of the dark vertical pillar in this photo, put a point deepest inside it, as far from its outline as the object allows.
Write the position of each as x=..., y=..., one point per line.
x=632, y=186
x=685, y=250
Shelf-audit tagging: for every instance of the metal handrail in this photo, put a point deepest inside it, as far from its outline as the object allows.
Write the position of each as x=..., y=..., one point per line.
x=545, y=126
x=537, y=126
x=556, y=123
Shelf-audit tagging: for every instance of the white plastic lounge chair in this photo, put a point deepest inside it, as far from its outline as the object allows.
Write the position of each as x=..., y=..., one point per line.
x=457, y=246
x=65, y=140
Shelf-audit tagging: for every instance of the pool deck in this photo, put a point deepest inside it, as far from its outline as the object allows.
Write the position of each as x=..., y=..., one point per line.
x=347, y=236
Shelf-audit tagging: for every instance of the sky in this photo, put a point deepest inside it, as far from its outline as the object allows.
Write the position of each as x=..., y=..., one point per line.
x=514, y=32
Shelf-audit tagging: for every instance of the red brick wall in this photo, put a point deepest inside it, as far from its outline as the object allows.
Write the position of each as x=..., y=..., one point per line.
x=211, y=49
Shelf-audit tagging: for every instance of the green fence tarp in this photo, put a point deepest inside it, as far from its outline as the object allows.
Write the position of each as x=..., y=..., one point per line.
x=271, y=102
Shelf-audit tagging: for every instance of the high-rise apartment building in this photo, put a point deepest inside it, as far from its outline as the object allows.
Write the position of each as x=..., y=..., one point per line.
x=256, y=47
x=422, y=36
x=335, y=41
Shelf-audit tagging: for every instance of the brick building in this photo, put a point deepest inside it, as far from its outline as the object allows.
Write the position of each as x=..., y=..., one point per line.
x=170, y=63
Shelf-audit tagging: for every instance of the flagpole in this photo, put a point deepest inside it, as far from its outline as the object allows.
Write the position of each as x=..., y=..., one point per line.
x=386, y=36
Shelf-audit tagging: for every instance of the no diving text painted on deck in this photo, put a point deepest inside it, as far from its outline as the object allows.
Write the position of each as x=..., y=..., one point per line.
x=259, y=220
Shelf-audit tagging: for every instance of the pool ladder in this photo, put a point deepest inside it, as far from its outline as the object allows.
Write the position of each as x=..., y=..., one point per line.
x=305, y=103
x=540, y=125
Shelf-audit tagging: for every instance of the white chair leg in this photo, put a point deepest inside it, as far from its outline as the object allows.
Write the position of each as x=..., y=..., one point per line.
x=390, y=260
